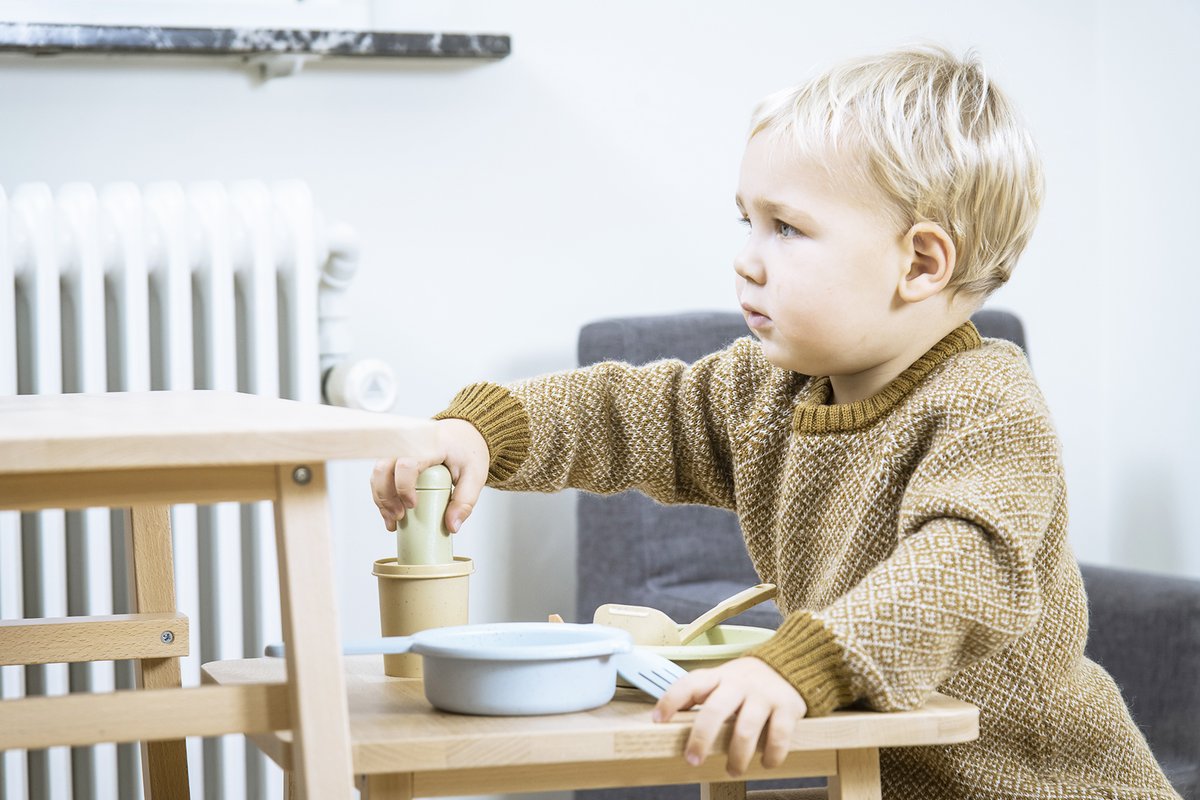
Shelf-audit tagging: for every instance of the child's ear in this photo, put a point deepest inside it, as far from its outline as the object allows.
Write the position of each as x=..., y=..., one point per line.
x=930, y=263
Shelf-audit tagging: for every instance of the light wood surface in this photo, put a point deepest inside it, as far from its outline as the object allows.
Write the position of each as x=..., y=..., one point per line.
x=723, y=791
x=149, y=430
x=147, y=451
x=387, y=787
x=316, y=686
x=58, y=640
x=393, y=729
x=857, y=777
x=141, y=715
x=151, y=566
x=608, y=774
x=240, y=483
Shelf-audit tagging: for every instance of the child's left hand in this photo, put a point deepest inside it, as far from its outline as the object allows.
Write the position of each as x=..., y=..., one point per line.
x=745, y=688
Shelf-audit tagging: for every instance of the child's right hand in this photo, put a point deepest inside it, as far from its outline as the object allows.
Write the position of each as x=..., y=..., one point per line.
x=456, y=443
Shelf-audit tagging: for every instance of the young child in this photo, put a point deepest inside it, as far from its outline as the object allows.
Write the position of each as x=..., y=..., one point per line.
x=896, y=475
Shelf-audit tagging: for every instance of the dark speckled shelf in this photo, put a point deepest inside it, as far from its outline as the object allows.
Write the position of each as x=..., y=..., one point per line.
x=44, y=39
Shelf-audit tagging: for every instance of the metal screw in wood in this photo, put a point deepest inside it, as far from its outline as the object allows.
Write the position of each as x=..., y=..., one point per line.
x=302, y=475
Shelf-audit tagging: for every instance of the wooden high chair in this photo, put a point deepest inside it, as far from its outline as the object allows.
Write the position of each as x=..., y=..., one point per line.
x=147, y=451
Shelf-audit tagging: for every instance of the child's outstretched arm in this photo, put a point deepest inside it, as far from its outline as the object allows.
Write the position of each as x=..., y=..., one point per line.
x=663, y=428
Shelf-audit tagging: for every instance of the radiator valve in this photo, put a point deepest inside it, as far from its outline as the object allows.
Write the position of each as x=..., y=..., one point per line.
x=368, y=383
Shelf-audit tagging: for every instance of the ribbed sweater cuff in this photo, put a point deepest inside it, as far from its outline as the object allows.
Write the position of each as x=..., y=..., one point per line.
x=804, y=652
x=501, y=419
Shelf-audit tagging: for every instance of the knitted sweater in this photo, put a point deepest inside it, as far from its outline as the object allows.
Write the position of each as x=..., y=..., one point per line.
x=918, y=539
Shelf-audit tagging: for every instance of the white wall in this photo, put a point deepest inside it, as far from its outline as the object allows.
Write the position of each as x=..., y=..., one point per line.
x=591, y=173
x=1147, y=219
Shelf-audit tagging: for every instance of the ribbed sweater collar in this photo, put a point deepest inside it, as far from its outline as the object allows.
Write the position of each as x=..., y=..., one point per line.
x=814, y=415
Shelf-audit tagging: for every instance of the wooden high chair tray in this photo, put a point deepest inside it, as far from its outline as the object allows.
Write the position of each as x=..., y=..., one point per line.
x=406, y=748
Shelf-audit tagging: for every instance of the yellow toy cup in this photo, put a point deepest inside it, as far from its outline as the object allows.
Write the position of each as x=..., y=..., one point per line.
x=416, y=597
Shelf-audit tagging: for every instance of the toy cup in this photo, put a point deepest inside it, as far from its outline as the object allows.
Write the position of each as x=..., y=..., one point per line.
x=425, y=585
x=415, y=597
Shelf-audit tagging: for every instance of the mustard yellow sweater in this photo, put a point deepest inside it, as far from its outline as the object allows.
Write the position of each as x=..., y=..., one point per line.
x=918, y=539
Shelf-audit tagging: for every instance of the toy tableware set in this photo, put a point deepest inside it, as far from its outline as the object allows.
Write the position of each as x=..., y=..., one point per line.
x=518, y=668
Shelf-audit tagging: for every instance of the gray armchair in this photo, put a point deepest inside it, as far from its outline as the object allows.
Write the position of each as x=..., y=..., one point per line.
x=1145, y=629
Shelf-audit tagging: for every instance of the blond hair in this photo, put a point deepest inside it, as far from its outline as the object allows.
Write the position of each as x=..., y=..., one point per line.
x=941, y=141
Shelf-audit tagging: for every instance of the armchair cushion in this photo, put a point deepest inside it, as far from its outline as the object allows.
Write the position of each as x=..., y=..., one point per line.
x=1145, y=630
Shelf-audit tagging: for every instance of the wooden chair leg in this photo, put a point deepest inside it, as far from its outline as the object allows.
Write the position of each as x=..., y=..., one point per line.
x=730, y=790
x=858, y=775
x=152, y=579
x=398, y=786
x=316, y=685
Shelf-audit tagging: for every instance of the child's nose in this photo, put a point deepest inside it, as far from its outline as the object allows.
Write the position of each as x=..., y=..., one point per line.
x=747, y=265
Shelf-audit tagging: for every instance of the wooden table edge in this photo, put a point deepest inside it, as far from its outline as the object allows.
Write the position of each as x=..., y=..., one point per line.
x=942, y=720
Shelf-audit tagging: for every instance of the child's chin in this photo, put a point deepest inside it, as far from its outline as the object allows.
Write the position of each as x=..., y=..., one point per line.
x=782, y=359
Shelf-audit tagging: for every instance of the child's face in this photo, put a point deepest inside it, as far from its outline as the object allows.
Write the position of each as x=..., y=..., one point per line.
x=817, y=277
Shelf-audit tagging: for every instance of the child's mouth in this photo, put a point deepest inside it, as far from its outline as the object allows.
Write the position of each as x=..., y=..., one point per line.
x=755, y=318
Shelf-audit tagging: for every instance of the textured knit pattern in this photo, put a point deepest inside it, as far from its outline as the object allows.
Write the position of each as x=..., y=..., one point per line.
x=490, y=408
x=918, y=539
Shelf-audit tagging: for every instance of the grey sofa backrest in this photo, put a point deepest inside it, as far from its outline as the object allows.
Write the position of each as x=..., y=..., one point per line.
x=633, y=550
x=1145, y=630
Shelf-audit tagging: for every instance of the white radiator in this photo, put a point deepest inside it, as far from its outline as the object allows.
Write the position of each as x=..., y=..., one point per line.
x=165, y=286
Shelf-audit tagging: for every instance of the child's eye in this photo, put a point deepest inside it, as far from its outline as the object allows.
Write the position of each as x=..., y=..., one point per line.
x=744, y=221
x=785, y=230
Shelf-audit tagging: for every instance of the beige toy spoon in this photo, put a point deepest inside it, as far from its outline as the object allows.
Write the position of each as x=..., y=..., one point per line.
x=649, y=626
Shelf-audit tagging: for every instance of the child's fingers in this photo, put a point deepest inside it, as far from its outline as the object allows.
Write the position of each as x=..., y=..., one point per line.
x=747, y=689
x=394, y=486
x=468, y=484
x=383, y=492
x=404, y=480
x=780, y=728
x=747, y=729
x=686, y=692
x=720, y=705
